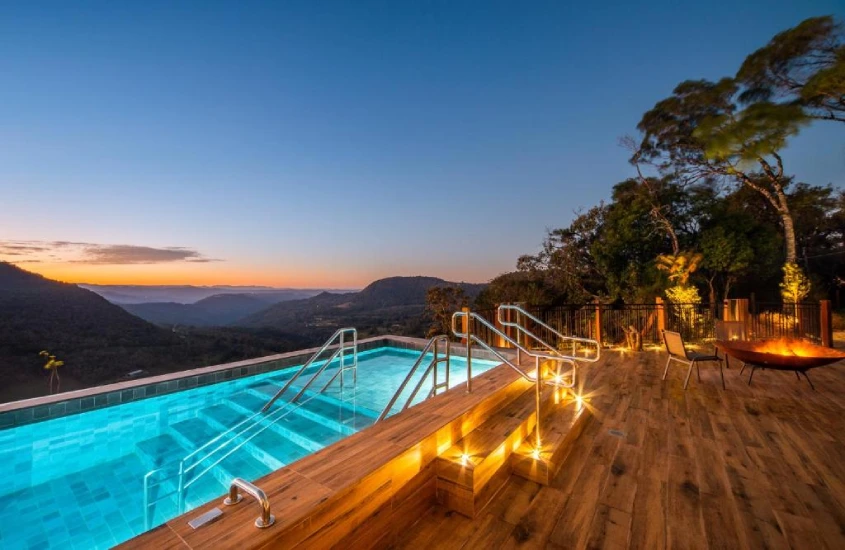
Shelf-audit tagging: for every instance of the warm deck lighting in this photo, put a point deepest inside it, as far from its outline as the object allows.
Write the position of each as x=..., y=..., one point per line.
x=464, y=459
x=535, y=454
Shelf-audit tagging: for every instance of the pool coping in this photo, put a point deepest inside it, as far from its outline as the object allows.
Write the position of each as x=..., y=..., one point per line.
x=38, y=409
x=382, y=477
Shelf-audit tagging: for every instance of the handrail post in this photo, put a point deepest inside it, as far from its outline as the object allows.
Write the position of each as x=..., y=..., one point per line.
x=448, y=360
x=469, y=348
x=434, y=370
x=537, y=389
x=342, y=343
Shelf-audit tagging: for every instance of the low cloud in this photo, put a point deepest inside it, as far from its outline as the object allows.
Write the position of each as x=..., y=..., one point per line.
x=97, y=254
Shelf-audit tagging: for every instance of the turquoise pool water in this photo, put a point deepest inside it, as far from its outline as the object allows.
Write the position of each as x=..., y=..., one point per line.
x=78, y=481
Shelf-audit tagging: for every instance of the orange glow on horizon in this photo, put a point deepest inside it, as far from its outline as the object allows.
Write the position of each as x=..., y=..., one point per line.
x=206, y=274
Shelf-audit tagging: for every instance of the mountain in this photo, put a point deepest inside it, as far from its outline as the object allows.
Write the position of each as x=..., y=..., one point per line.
x=75, y=324
x=392, y=305
x=217, y=310
x=187, y=294
x=99, y=341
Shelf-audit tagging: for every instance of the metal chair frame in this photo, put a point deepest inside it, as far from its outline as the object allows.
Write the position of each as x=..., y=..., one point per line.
x=730, y=330
x=677, y=351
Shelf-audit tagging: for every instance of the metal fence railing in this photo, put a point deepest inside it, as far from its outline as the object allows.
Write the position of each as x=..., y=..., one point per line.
x=784, y=320
x=695, y=322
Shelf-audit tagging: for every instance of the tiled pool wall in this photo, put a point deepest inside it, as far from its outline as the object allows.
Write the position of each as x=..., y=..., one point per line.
x=20, y=413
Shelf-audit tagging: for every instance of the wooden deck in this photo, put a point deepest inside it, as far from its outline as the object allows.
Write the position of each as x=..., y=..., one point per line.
x=660, y=467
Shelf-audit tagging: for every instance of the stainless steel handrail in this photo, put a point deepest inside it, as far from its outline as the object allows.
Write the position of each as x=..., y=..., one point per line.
x=266, y=519
x=574, y=339
x=555, y=356
x=537, y=379
x=337, y=334
x=432, y=343
x=182, y=471
x=251, y=421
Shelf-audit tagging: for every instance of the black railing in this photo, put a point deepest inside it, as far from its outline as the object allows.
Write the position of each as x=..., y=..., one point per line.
x=779, y=320
x=695, y=322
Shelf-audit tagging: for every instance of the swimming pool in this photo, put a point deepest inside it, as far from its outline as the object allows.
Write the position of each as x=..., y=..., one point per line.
x=78, y=481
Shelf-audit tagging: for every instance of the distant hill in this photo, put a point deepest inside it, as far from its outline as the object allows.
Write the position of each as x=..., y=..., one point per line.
x=217, y=310
x=187, y=294
x=392, y=305
x=71, y=322
x=100, y=341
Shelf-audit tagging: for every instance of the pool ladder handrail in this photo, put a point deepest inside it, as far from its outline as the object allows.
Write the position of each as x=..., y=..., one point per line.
x=521, y=329
x=341, y=350
x=431, y=346
x=184, y=468
x=537, y=379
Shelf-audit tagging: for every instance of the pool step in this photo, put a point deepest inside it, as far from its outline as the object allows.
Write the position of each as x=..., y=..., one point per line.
x=325, y=410
x=303, y=431
x=268, y=388
x=160, y=450
x=165, y=451
x=471, y=472
x=195, y=432
x=265, y=444
x=561, y=424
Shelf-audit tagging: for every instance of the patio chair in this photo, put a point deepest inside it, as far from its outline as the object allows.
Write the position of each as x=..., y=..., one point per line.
x=678, y=352
x=727, y=331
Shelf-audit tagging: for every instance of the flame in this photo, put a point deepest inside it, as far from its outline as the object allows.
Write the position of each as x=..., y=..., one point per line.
x=796, y=348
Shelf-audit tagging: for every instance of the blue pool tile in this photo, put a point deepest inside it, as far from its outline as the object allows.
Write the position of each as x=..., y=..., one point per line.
x=79, y=479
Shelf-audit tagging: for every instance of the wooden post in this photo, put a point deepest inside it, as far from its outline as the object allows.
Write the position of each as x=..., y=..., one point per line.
x=826, y=323
x=726, y=310
x=465, y=323
x=661, y=315
x=597, y=337
x=500, y=342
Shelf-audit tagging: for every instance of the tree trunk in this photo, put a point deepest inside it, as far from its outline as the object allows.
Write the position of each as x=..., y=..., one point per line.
x=777, y=199
x=788, y=234
x=712, y=290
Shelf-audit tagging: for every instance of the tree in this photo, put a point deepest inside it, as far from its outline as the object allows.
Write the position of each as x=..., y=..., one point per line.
x=679, y=267
x=795, y=286
x=632, y=236
x=727, y=255
x=441, y=303
x=803, y=66
x=52, y=365
x=529, y=286
x=566, y=266
x=700, y=132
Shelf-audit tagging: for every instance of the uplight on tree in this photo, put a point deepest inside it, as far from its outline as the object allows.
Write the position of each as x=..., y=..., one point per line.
x=795, y=286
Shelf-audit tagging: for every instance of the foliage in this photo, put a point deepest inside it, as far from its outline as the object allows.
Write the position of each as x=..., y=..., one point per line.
x=678, y=268
x=441, y=302
x=795, y=286
x=528, y=286
x=741, y=138
x=683, y=294
x=52, y=365
x=803, y=66
x=701, y=132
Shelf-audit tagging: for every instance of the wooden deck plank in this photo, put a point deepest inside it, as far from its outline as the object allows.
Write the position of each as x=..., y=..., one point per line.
x=751, y=467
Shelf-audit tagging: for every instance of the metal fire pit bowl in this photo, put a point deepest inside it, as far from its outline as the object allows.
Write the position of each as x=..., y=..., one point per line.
x=798, y=356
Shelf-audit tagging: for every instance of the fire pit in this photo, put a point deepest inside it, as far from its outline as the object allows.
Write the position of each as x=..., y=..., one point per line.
x=798, y=356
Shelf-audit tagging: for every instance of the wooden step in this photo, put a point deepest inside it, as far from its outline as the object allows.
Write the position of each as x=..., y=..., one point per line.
x=472, y=471
x=561, y=423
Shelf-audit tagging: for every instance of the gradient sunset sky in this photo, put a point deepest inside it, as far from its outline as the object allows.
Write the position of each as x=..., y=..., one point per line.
x=328, y=144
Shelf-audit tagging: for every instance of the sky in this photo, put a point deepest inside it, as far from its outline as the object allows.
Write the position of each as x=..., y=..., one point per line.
x=329, y=144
